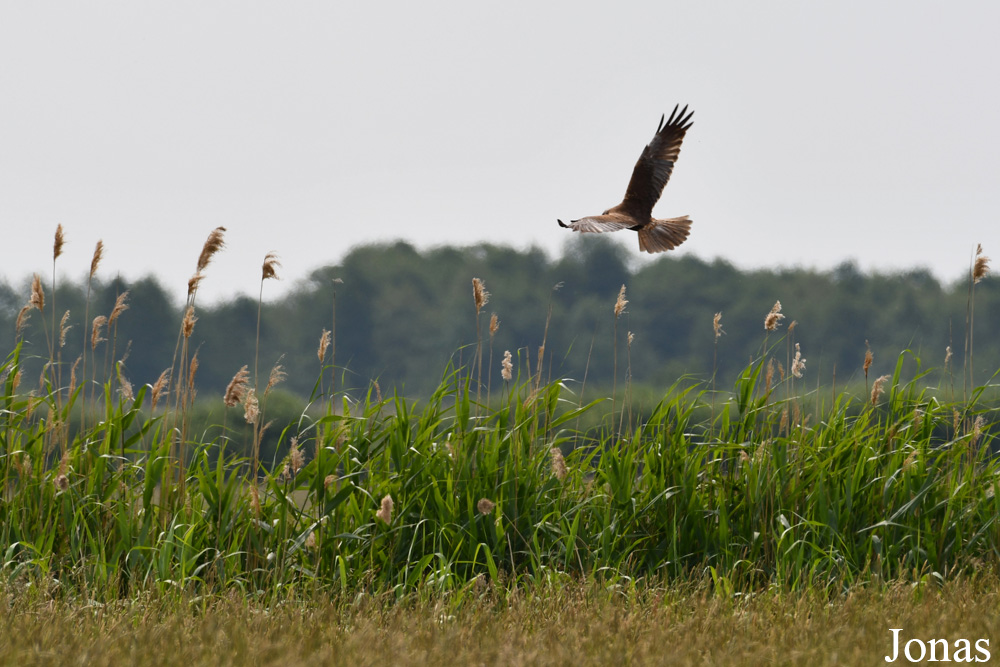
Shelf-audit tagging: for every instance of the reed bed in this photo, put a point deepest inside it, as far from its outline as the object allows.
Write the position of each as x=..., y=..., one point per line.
x=756, y=486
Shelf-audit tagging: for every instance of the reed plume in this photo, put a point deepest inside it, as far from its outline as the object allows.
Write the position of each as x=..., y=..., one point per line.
x=22, y=319
x=559, y=469
x=324, y=343
x=479, y=294
x=269, y=269
x=57, y=246
x=384, y=513
x=37, y=299
x=276, y=377
x=96, y=259
x=121, y=305
x=95, y=331
x=213, y=244
x=494, y=328
x=798, y=363
x=980, y=268
x=296, y=458
x=877, y=388
x=161, y=385
x=773, y=319
x=485, y=506
x=480, y=298
x=95, y=262
x=64, y=328
x=251, y=407
x=57, y=249
x=237, y=388
x=619, y=309
x=187, y=324
x=981, y=265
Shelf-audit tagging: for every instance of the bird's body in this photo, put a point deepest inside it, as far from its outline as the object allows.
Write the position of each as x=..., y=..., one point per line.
x=650, y=175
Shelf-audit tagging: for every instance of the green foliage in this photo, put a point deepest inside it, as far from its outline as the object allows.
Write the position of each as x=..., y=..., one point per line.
x=752, y=495
x=107, y=490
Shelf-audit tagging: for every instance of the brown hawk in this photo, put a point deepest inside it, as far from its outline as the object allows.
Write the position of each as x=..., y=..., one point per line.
x=649, y=177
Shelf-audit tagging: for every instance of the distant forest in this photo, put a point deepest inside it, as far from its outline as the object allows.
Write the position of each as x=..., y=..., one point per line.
x=402, y=314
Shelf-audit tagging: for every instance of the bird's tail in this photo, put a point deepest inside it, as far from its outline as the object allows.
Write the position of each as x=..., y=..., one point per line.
x=660, y=235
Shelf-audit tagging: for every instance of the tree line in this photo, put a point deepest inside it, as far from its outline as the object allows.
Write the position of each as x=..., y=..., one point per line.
x=399, y=315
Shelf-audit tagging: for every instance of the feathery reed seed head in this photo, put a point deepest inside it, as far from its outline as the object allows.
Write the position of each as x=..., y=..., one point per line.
x=187, y=325
x=798, y=363
x=869, y=358
x=773, y=319
x=61, y=482
x=296, y=459
x=981, y=267
x=22, y=319
x=494, y=325
x=270, y=266
x=213, y=244
x=384, y=514
x=95, y=331
x=620, y=302
x=717, y=325
x=324, y=343
x=254, y=500
x=37, y=299
x=237, y=388
x=193, y=283
x=72, y=374
x=485, y=506
x=507, y=367
x=125, y=388
x=120, y=307
x=63, y=329
x=160, y=386
x=96, y=260
x=251, y=408
x=276, y=377
x=57, y=246
x=977, y=429
x=947, y=355
x=877, y=388
x=479, y=294
x=559, y=470
x=192, y=371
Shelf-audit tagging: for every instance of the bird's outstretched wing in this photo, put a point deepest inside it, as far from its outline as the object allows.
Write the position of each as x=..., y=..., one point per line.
x=595, y=224
x=656, y=163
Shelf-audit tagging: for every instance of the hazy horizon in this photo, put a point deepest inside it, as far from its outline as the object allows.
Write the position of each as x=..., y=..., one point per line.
x=822, y=134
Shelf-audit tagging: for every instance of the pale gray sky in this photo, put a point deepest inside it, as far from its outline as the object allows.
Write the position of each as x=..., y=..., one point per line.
x=822, y=132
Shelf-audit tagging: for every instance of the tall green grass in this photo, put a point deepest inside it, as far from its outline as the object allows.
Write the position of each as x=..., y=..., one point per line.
x=756, y=486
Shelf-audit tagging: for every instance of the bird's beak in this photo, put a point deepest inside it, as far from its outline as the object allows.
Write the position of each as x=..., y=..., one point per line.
x=561, y=223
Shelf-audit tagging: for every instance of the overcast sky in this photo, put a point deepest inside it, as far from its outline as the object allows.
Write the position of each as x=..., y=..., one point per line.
x=848, y=130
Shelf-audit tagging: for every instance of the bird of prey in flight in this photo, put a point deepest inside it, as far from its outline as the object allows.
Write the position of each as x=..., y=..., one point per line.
x=649, y=176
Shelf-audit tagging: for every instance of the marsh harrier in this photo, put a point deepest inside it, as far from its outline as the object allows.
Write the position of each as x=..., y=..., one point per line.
x=649, y=176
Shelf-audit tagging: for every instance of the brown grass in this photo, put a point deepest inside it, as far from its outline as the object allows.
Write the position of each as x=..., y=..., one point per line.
x=565, y=625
